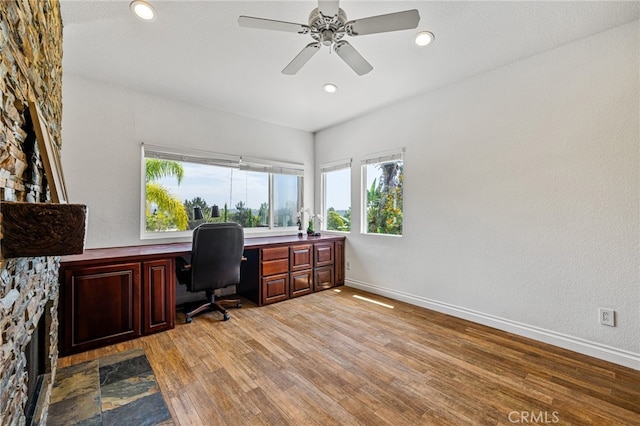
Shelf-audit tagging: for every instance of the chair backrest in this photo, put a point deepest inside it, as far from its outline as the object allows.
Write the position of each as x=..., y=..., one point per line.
x=216, y=255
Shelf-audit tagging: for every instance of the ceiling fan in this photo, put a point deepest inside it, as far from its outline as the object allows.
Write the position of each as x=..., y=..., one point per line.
x=328, y=25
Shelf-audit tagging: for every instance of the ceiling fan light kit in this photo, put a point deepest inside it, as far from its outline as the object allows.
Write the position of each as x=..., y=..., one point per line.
x=327, y=26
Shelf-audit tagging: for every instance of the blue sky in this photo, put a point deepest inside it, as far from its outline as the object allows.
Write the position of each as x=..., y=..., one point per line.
x=213, y=185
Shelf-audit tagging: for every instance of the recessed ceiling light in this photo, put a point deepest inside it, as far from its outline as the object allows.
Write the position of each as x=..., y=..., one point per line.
x=424, y=38
x=330, y=88
x=143, y=10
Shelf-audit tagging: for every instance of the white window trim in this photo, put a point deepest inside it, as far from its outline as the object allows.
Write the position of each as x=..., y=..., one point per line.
x=224, y=160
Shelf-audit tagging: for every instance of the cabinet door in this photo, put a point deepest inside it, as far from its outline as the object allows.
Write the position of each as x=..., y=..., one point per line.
x=158, y=295
x=323, y=278
x=101, y=306
x=323, y=254
x=301, y=283
x=339, y=263
x=301, y=257
x=275, y=288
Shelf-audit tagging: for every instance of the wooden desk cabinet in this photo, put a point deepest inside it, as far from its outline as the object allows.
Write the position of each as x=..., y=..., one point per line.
x=301, y=267
x=274, y=273
x=115, y=294
x=105, y=303
x=324, y=263
x=295, y=269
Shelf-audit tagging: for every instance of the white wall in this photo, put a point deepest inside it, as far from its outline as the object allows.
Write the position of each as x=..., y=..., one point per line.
x=103, y=126
x=521, y=197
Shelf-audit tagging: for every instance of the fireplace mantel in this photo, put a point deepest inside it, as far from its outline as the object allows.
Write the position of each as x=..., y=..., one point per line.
x=42, y=229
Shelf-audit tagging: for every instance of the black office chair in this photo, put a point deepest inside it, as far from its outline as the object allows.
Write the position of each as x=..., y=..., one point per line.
x=216, y=255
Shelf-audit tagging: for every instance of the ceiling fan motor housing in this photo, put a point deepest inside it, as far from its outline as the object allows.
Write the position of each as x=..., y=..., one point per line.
x=327, y=29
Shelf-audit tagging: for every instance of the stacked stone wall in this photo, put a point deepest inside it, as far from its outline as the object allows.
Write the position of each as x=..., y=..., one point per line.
x=30, y=71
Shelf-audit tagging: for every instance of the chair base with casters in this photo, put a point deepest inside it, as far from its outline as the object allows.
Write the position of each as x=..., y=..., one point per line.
x=213, y=305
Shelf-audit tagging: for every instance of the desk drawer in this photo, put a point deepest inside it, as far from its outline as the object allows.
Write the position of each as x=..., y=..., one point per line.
x=272, y=267
x=274, y=253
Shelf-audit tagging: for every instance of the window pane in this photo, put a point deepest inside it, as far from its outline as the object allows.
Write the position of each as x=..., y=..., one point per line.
x=180, y=192
x=337, y=200
x=286, y=199
x=383, y=188
x=241, y=196
x=249, y=199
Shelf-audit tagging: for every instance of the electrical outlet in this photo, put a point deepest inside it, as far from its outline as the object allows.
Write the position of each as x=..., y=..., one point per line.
x=347, y=265
x=607, y=317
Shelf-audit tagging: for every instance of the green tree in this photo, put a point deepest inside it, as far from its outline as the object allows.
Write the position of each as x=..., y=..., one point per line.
x=244, y=216
x=385, y=202
x=163, y=209
x=336, y=222
x=263, y=215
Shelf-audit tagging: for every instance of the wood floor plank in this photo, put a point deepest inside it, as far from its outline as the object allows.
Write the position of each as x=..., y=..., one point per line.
x=331, y=359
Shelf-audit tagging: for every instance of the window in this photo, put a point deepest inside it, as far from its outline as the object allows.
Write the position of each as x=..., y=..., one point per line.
x=183, y=189
x=382, y=177
x=336, y=196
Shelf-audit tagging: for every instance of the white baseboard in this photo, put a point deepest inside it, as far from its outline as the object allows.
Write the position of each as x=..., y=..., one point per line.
x=596, y=350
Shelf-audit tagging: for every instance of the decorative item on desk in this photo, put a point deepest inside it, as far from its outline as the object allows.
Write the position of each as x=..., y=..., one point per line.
x=311, y=222
x=197, y=213
x=215, y=211
x=299, y=227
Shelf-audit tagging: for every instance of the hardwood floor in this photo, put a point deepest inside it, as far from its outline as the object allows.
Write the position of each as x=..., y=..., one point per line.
x=332, y=359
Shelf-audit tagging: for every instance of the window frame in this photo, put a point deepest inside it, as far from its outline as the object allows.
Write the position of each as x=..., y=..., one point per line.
x=396, y=155
x=327, y=168
x=271, y=167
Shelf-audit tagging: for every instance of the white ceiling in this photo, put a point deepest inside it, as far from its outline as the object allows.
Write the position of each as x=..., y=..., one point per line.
x=196, y=52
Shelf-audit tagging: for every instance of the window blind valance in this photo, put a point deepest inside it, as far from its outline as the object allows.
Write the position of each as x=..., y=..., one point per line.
x=335, y=165
x=190, y=156
x=224, y=160
x=384, y=157
x=271, y=166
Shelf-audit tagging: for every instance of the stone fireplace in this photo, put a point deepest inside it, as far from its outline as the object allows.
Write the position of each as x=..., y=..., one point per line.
x=30, y=71
x=32, y=302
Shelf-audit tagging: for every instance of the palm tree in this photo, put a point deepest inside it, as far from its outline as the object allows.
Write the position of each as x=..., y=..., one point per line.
x=157, y=169
x=169, y=209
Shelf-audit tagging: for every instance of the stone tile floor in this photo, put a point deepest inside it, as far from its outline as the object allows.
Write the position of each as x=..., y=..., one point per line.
x=119, y=389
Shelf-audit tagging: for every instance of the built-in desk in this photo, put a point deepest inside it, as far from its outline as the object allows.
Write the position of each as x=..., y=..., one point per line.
x=110, y=295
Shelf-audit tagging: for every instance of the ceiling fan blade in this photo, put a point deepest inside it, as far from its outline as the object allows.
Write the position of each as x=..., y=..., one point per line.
x=270, y=24
x=351, y=56
x=301, y=58
x=328, y=7
x=384, y=23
